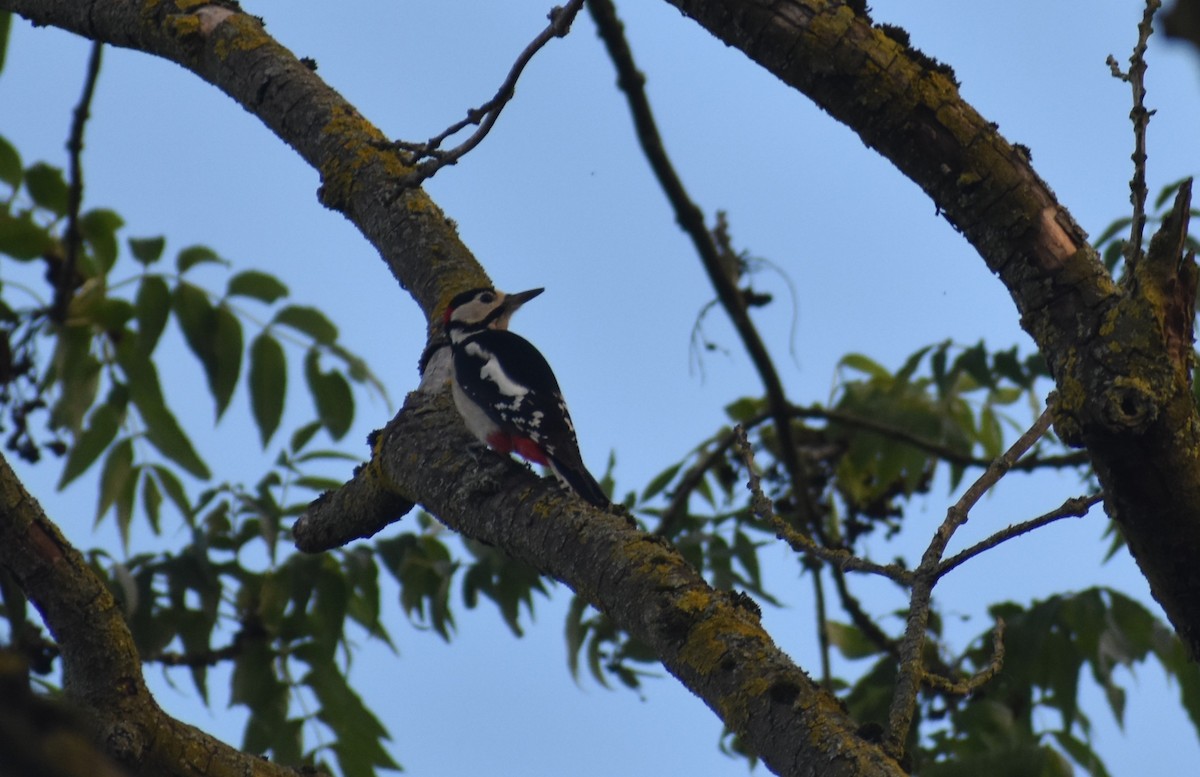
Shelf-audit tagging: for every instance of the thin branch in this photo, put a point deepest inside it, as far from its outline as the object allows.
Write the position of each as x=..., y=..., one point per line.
x=823, y=642
x=980, y=678
x=64, y=286
x=1075, y=507
x=760, y=503
x=912, y=671
x=485, y=116
x=1136, y=78
x=716, y=263
x=944, y=452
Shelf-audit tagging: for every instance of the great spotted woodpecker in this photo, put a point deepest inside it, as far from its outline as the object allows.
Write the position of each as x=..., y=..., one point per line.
x=506, y=392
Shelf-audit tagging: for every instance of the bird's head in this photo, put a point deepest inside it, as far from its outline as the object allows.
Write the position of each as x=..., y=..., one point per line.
x=484, y=309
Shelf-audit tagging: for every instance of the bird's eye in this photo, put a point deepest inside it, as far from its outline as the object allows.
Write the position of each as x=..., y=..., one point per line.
x=487, y=298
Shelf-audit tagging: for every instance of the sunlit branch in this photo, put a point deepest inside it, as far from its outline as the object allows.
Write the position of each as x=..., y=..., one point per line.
x=1075, y=507
x=1136, y=78
x=912, y=668
x=64, y=285
x=485, y=116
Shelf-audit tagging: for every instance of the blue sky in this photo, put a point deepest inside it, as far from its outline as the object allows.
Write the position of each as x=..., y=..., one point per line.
x=559, y=196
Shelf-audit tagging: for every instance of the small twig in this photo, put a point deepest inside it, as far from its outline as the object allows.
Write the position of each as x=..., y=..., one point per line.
x=982, y=677
x=761, y=505
x=485, y=116
x=1075, y=507
x=64, y=286
x=1136, y=78
x=912, y=668
x=823, y=642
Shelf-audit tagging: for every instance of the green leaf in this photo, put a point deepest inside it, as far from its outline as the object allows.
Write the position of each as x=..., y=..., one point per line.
x=173, y=488
x=21, y=238
x=742, y=410
x=47, y=187
x=358, y=733
x=860, y=363
x=147, y=250
x=77, y=372
x=660, y=481
x=850, y=640
x=194, y=255
x=227, y=357
x=152, y=306
x=258, y=285
x=152, y=500
x=214, y=337
x=308, y=320
x=5, y=29
x=331, y=394
x=118, y=471
x=268, y=384
x=99, y=227
x=162, y=429
x=101, y=431
x=10, y=161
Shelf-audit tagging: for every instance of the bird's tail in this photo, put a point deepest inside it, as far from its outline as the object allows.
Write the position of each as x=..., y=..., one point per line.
x=578, y=479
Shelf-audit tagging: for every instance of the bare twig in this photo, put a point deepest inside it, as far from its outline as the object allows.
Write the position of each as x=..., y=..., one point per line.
x=64, y=286
x=691, y=220
x=797, y=540
x=485, y=116
x=980, y=678
x=912, y=671
x=1075, y=507
x=1136, y=78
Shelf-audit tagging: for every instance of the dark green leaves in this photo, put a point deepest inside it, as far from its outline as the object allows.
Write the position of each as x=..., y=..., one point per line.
x=22, y=238
x=310, y=321
x=257, y=285
x=268, y=384
x=331, y=394
x=214, y=335
x=47, y=187
x=10, y=161
x=147, y=250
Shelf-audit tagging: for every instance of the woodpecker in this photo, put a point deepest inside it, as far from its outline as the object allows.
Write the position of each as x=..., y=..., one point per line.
x=506, y=392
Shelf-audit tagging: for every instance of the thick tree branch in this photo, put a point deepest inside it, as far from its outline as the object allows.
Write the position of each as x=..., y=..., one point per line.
x=1123, y=392
x=102, y=671
x=715, y=647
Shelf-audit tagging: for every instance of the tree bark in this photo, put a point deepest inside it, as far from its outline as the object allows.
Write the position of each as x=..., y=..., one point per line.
x=713, y=644
x=1121, y=355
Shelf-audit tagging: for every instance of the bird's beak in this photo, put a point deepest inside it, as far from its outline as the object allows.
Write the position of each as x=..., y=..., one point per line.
x=510, y=305
x=514, y=301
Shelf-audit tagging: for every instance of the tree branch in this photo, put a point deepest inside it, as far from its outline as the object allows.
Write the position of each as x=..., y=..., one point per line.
x=714, y=646
x=1130, y=405
x=1136, y=78
x=485, y=116
x=64, y=284
x=717, y=263
x=911, y=673
x=102, y=672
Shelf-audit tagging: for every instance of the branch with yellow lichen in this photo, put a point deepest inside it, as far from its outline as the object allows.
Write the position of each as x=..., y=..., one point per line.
x=102, y=672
